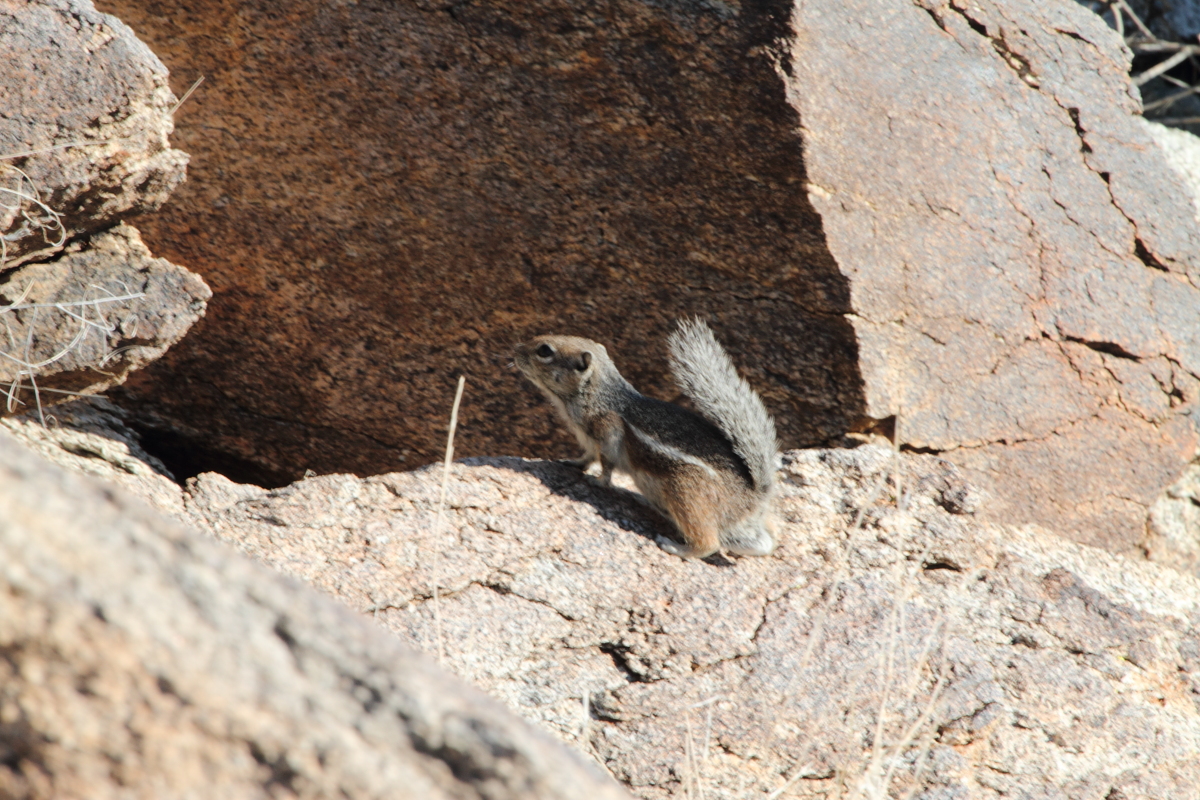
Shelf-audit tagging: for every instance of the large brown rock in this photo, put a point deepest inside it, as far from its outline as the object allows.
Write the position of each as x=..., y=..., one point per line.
x=141, y=660
x=979, y=244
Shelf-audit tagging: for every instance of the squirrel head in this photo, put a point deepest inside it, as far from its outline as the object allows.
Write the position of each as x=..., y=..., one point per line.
x=562, y=366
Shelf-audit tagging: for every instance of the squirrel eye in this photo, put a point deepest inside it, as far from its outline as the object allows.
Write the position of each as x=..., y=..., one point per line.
x=544, y=351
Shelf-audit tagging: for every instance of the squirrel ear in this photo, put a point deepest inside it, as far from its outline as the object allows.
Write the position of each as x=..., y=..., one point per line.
x=585, y=361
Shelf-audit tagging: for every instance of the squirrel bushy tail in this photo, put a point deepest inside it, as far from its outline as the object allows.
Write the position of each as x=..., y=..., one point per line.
x=704, y=372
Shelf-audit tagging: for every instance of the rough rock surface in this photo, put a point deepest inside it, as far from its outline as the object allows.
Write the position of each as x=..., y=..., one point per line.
x=1182, y=151
x=83, y=134
x=92, y=436
x=1063, y=670
x=85, y=111
x=141, y=660
x=83, y=321
x=893, y=640
x=1174, y=530
x=1024, y=266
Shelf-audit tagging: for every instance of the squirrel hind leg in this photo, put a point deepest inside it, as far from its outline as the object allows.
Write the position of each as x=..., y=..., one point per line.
x=753, y=536
x=696, y=522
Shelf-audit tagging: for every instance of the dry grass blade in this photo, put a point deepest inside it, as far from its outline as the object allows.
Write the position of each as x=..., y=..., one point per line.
x=439, y=520
x=186, y=95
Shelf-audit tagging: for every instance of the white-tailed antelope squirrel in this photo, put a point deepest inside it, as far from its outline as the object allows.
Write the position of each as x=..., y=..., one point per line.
x=712, y=475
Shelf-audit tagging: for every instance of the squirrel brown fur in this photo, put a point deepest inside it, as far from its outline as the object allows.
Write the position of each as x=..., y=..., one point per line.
x=712, y=473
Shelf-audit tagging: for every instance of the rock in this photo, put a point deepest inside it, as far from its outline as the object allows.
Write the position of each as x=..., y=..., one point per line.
x=92, y=436
x=141, y=660
x=1182, y=151
x=83, y=144
x=1024, y=265
x=893, y=643
x=83, y=137
x=1174, y=529
x=81, y=323
x=973, y=233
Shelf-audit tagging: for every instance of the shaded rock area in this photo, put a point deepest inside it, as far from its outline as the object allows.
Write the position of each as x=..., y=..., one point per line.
x=385, y=195
x=141, y=660
x=1025, y=289
x=980, y=243
x=85, y=111
x=893, y=642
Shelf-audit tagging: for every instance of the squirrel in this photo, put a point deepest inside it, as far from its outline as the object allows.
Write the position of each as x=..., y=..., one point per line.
x=712, y=475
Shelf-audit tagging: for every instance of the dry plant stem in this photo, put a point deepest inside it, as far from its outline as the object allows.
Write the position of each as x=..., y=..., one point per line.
x=1163, y=66
x=186, y=95
x=1170, y=100
x=27, y=366
x=1121, y=5
x=440, y=517
x=66, y=146
x=803, y=772
x=690, y=772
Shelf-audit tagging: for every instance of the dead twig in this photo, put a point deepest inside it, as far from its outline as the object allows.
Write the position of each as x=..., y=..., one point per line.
x=1158, y=69
x=439, y=520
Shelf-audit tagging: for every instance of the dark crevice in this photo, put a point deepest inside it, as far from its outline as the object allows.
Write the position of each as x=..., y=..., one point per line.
x=1109, y=348
x=367, y=696
x=1146, y=257
x=928, y=451
x=1084, y=147
x=1073, y=35
x=937, y=565
x=937, y=19
x=186, y=457
x=1017, y=62
x=20, y=742
x=281, y=773
x=620, y=657
x=166, y=687
x=1024, y=640
x=975, y=24
x=885, y=427
x=281, y=630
